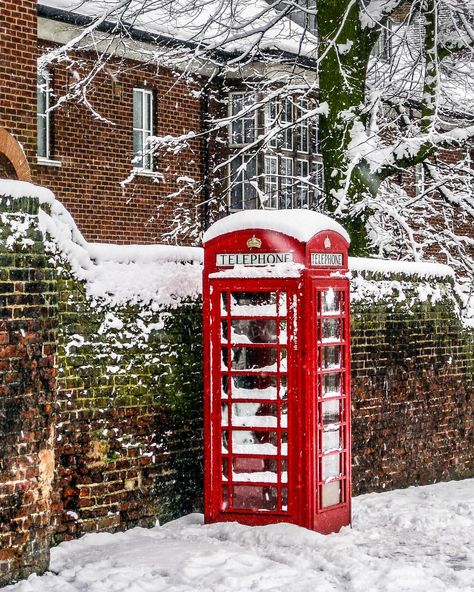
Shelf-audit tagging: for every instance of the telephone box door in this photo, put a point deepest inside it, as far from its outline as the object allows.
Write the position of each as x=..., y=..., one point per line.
x=330, y=346
x=253, y=401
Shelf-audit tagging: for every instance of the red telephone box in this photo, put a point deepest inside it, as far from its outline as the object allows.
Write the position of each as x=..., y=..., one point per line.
x=277, y=370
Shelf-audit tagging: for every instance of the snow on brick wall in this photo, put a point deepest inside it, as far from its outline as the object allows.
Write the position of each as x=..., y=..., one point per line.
x=125, y=421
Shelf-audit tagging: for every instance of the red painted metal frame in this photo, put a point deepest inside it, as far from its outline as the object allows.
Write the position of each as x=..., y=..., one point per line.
x=304, y=404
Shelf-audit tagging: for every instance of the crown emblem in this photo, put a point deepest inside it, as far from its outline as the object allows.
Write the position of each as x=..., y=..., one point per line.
x=327, y=243
x=254, y=243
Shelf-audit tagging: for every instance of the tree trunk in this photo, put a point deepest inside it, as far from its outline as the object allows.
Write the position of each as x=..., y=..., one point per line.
x=344, y=51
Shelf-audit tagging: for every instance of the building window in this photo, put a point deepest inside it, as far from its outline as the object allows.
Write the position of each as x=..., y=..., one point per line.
x=142, y=129
x=383, y=47
x=282, y=168
x=243, y=114
x=271, y=182
x=243, y=192
x=419, y=179
x=43, y=116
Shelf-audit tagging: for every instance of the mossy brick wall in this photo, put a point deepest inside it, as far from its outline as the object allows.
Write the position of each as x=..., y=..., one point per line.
x=412, y=390
x=116, y=440
x=129, y=413
x=28, y=330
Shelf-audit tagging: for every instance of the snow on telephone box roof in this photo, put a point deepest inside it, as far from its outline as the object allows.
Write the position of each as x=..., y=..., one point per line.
x=300, y=224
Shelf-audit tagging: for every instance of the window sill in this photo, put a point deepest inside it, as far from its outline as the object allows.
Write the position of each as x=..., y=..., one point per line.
x=145, y=173
x=48, y=162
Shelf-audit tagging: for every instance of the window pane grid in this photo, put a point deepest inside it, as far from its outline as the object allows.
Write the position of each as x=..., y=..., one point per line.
x=254, y=413
x=331, y=398
x=43, y=115
x=293, y=150
x=142, y=128
x=271, y=181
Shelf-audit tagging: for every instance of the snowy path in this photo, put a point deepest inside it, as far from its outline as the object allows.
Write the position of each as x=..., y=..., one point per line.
x=418, y=539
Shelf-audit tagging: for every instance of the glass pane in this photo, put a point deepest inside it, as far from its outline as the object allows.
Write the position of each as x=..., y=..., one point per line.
x=302, y=172
x=286, y=118
x=42, y=148
x=147, y=116
x=225, y=498
x=254, y=442
x=284, y=415
x=331, y=302
x=236, y=137
x=331, y=385
x=250, y=331
x=331, y=494
x=41, y=96
x=224, y=359
x=284, y=471
x=261, y=415
x=225, y=469
x=331, y=329
x=263, y=470
x=284, y=499
x=249, y=128
x=258, y=304
x=137, y=148
x=331, y=466
x=283, y=391
x=330, y=411
x=331, y=438
x=225, y=442
x=330, y=357
x=284, y=443
x=137, y=109
x=286, y=183
x=261, y=359
x=236, y=196
x=250, y=497
x=252, y=387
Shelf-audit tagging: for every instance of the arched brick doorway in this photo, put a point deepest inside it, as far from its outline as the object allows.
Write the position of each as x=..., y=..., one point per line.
x=13, y=162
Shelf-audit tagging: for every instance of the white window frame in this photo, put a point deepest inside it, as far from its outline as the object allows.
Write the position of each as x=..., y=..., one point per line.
x=270, y=120
x=318, y=180
x=383, y=45
x=302, y=189
x=44, y=87
x=286, y=181
x=274, y=172
x=271, y=182
x=302, y=128
x=420, y=184
x=243, y=181
x=243, y=120
x=287, y=133
x=143, y=157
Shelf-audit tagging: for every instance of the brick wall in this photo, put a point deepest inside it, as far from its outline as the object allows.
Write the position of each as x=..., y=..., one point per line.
x=96, y=155
x=117, y=440
x=129, y=415
x=28, y=322
x=413, y=392
x=18, y=51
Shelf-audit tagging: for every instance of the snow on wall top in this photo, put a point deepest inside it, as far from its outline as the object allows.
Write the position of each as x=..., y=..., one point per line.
x=163, y=275
x=388, y=267
x=215, y=24
x=19, y=189
x=300, y=224
x=154, y=275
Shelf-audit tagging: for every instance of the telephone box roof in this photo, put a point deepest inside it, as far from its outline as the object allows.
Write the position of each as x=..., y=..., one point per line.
x=300, y=224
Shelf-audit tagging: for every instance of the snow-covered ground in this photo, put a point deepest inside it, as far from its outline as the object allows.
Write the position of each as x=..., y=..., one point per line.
x=417, y=539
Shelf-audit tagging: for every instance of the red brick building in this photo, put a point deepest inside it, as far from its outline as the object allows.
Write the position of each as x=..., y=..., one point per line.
x=85, y=154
